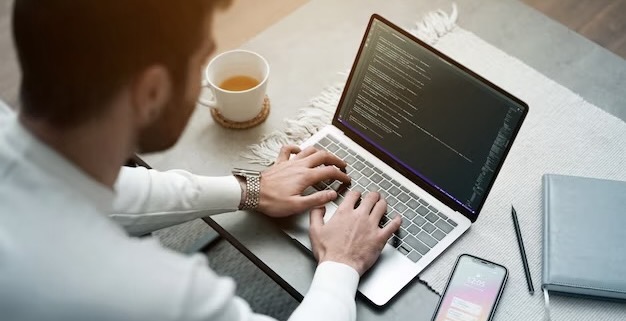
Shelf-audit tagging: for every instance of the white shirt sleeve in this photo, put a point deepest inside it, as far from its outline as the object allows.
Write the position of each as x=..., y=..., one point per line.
x=148, y=200
x=331, y=295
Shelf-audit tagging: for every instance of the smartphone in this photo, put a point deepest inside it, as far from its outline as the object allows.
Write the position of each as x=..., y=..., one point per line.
x=473, y=290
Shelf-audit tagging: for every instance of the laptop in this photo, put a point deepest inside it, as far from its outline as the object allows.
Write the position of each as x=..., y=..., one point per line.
x=428, y=134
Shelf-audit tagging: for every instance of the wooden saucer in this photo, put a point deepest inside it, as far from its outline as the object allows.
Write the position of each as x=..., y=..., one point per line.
x=261, y=117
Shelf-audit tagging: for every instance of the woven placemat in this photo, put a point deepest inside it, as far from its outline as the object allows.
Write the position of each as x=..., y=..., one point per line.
x=261, y=117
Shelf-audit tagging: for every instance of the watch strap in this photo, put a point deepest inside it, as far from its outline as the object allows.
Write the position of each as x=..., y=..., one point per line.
x=253, y=188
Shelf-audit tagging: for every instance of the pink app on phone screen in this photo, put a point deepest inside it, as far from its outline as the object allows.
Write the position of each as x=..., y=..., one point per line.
x=473, y=290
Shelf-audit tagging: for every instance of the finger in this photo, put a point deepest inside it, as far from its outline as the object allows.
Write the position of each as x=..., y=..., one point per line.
x=324, y=158
x=380, y=208
x=306, y=152
x=391, y=227
x=368, y=202
x=286, y=151
x=316, y=217
x=324, y=173
x=316, y=199
x=350, y=200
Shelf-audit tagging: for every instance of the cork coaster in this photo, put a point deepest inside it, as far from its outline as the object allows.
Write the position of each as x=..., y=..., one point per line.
x=261, y=117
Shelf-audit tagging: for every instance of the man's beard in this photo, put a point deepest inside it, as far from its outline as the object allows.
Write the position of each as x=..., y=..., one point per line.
x=165, y=131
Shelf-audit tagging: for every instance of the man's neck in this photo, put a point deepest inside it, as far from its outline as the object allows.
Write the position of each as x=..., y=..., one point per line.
x=98, y=148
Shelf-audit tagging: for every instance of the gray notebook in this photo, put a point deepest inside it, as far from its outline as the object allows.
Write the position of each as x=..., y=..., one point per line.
x=584, y=240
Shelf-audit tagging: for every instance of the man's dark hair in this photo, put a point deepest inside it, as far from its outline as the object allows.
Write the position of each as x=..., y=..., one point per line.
x=75, y=55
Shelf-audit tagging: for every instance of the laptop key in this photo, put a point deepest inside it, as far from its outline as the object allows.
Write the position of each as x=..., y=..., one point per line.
x=413, y=203
x=367, y=171
x=400, y=207
x=431, y=217
x=402, y=233
x=444, y=226
x=341, y=153
x=394, y=241
x=350, y=159
x=417, y=245
x=336, y=185
x=377, y=170
x=332, y=139
x=423, y=202
x=387, y=177
x=376, y=178
x=414, y=256
x=324, y=141
x=419, y=221
x=342, y=146
x=404, y=189
x=427, y=239
x=320, y=186
x=443, y=217
x=428, y=227
x=394, y=191
x=404, y=249
x=422, y=210
x=363, y=181
x=410, y=214
x=332, y=148
x=413, y=229
x=391, y=201
x=372, y=187
x=405, y=223
x=358, y=165
x=385, y=184
x=354, y=174
x=383, y=221
x=432, y=209
x=439, y=235
x=403, y=197
x=453, y=223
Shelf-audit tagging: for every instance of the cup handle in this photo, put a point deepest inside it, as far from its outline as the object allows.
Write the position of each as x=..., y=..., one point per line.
x=210, y=103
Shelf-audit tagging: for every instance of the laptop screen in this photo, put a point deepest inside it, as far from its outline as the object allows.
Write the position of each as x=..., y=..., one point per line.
x=430, y=116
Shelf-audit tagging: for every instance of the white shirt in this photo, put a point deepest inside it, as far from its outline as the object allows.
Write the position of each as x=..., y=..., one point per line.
x=65, y=252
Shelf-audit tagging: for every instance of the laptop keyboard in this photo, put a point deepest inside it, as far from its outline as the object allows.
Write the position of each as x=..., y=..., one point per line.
x=423, y=226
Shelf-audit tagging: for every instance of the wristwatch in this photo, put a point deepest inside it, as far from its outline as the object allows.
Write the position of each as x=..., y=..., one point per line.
x=252, y=194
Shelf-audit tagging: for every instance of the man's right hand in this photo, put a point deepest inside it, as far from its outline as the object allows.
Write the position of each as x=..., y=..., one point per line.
x=352, y=236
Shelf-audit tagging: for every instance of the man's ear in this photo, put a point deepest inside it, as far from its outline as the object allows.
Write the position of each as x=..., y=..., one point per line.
x=150, y=93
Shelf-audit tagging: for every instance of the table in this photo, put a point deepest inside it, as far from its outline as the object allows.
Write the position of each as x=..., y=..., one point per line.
x=308, y=48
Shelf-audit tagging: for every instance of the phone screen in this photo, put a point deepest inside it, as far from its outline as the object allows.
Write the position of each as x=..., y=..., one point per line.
x=472, y=291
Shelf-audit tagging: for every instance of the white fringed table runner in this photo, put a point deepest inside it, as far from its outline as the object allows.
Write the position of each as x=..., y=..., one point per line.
x=562, y=134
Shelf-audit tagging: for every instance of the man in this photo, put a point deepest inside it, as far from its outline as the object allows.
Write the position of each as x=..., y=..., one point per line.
x=102, y=80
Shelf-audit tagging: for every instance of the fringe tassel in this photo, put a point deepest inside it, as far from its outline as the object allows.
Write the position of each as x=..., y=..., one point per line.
x=320, y=110
x=435, y=25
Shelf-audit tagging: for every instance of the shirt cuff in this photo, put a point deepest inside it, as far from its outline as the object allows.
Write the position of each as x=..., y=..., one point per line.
x=336, y=278
x=221, y=192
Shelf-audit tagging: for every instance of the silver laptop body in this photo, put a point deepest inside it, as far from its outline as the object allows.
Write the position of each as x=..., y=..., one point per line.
x=378, y=98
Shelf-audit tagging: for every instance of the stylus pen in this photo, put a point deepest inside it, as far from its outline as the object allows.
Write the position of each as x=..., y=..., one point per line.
x=520, y=242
